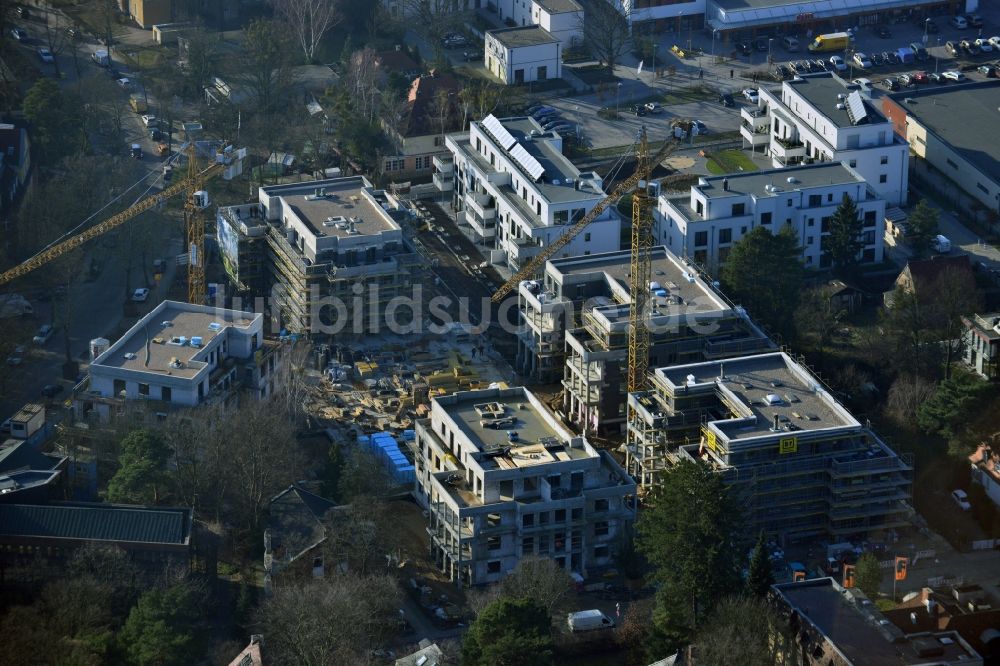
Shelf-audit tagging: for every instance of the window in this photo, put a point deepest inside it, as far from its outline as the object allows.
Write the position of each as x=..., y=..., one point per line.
x=528, y=520
x=119, y=387
x=853, y=163
x=868, y=255
x=560, y=217
x=438, y=141
x=560, y=516
x=165, y=394
x=982, y=189
x=699, y=207
x=809, y=240
x=883, y=178
x=600, y=552
x=601, y=505
x=576, y=514
x=815, y=200
x=810, y=222
x=725, y=235
x=586, y=237
x=824, y=224
x=738, y=209
x=527, y=545
x=493, y=567
x=700, y=238
x=144, y=389
x=869, y=237
x=765, y=218
x=601, y=528
x=829, y=197
x=543, y=73
x=869, y=218
x=493, y=543
x=884, y=159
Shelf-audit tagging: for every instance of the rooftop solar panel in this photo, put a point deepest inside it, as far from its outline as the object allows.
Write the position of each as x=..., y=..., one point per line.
x=499, y=132
x=527, y=162
x=856, y=108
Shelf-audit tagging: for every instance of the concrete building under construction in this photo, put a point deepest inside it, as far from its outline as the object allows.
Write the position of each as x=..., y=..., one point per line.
x=314, y=247
x=501, y=478
x=803, y=465
x=575, y=329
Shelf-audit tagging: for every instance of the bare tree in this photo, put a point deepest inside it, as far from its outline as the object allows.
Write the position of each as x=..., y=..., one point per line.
x=309, y=21
x=539, y=578
x=906, y=395
x=362, y=81
x=265, y=67
x=480, y=98
x=605, y=32
x=55, y=41
x=746, y=631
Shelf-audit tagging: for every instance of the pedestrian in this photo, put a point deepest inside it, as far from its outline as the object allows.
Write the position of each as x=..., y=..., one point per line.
x=701, y=73
x=731, y=73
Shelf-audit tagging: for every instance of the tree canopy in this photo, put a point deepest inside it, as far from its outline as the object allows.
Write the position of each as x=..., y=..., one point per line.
x=764, y=274
x=164, y=628
x=760, y=577
x=142, y=470
x=843, y=245
x=953, y=404
x=509, y=632
x=690, y=536
x=868, y=575
x=55, y=117
x=746, y=631
x=923, y=227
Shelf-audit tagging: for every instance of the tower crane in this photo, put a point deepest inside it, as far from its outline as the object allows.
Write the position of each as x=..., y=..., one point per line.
x=193, y=183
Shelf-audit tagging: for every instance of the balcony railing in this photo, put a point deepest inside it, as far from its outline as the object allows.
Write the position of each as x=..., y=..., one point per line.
x=788, y=144
x=444, y=182
x=443, y=163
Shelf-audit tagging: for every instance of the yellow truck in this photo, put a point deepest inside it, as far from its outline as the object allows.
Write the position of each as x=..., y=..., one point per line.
x=138, y=105
x=833, y=41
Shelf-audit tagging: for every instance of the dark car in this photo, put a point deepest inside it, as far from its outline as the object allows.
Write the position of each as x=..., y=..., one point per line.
x=969, y=47
x=891, y=84
x=934, y=77
x=639, y=110
x=877, y=60
x=761, y=44
x=975, y=20
x=725, y=99
x=52, y=390
x=919, y=52
x=22, y=12
x=782, y=72
x=931, y=27
x=891, y=58
x=823, y=65
x=801, y=67
x=744, y=48
x=988, y=71
x=18, y=34
x=882, y=31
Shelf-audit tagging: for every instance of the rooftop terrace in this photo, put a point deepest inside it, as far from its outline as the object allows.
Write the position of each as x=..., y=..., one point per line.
x=332, y=213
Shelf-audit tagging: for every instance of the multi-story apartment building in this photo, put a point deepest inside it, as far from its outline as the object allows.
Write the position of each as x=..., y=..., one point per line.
x=502, y=479
x=183, y=355
x=981, y=343
x=574, y=328
x=704, y=225
x=327, y=244
x=804, y=467
x=823, y=118
x=512, y=185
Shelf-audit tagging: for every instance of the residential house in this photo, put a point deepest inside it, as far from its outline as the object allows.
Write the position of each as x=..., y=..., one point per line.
x=921, y=276
x=250, y=655
x=428, y=654
x=985, y=461
x=563, y=19
x=432, y=110
x=296, y=531
x=148, y=13
x=523, y=55
x=981, y=344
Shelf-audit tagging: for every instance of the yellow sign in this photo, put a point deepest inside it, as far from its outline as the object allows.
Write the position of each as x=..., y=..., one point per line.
x=710, y=439
x=788, y=445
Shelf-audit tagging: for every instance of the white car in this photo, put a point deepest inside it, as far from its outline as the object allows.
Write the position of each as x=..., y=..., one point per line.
x=148, y=119
x=984, y=45
x=961, y=499
x=995, y=41
x=953, y=75
x=125, y=82
x=862, y=60
x=862, y=82
x=838, y=63
x=43, y=335
x=140, y=295
x=45, y=55
x=751, y=95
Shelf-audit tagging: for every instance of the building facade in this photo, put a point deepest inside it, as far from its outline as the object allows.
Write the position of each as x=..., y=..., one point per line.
x=333, y=253
x=523, y=55
x=574, y=329
x=517, y=192
x=432, y=110
x=502, y=479
x=981, y=343
x=704, y=225
x=802, y=465
x=563, y=19
x=823, y=118
x=946, y=127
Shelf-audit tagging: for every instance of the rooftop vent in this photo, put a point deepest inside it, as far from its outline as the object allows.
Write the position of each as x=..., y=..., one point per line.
x=773, y=399
x=840, y=105
x=792, y=180
x=691, y=381
x=130, y=356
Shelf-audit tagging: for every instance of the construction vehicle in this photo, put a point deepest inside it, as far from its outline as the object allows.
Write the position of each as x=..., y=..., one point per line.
x=643, y=192
x=196, y=202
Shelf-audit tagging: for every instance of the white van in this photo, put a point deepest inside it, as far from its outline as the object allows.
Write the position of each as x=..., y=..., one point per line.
x=941, y=244
x=959, y=22
x=790, y=44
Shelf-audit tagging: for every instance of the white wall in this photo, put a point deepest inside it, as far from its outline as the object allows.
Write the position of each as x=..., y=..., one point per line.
x=627, y=8
x=567, y=27
x=504, y=62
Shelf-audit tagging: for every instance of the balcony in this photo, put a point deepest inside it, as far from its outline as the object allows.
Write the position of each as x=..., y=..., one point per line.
x=755, y=116
x=755, y=135
x=444, y=182
x=444, y=163
x=482, y=205
x=787, y=151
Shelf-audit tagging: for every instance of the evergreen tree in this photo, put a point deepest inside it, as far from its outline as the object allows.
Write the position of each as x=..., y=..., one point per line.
x=844, y=242
x=761, y=577
x=143, y=464
x=332, y=471
x=923, y=227
x=509, y=632
x=868, y=575
x=163, y=628
x=953, y=404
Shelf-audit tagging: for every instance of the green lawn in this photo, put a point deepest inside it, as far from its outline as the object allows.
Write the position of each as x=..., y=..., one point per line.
x=730, y=161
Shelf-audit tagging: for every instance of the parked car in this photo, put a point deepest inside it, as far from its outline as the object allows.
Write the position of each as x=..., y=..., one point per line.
x=52, y=390
x=18, y=34
x=155, y=134
x=929, y=25
x=906, y=79
x=639, y=110
x=961, y=499
x=995, y=41
x=148, y=120
x=968, y=47
x=781, y=73
x=951, y=48
x=959, y=22
x=823, y=66
x=984, y=45
x=470, y=56
x=761, y=45
x=975, y=20
x=891, y=84
x=838, y=63
x=653, y=107
x=751, y=95
x=934, y=77
x=882, y=31
x=952, y=75
x=140, y=295
x=23, y=12
x=744, y=48
x=921, y=77
x=878, y=60
x=698, y=127
x=17, y=356
x=725, y=99
x=919, y=52
x=43, y=334
x=135, y=151
x=891, y=58
x=867, y=83
x=989, y=71
x=45, y=55
x=862, y=60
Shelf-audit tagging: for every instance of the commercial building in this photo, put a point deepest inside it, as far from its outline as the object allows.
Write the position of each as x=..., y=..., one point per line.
x=704, y=225
x=981, y=343
x=182, y=355
x=523, y=54
x=563, y=19
x=502, y=479
x=834, y=626
x=574, y=328
x=947, y=127
x=823, y=118
x=803, y=466
x=432, y=110
x=332, y=255
x=517, y=192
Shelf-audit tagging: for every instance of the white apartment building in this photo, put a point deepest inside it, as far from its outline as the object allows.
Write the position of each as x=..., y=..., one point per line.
x=183, y=355
x=703, y=226
x=517, y=192
x=523, y=54
x=663, y=15
x=823, y=118
x=502, y=479
x=563, y=19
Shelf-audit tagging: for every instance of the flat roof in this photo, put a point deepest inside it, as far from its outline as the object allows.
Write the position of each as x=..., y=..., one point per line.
x=343, y=200
x=169, y=321
x=962, y=116
x=28, y=412
x=528, y=35
x=780, y=11
x=766, y=386
x=821, y=91
x=753, y=182
x=855, y=626
x=559, y=6
x=667, y=270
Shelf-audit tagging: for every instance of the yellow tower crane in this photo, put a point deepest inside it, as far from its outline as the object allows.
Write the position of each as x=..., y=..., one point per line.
x=191, y=185
x=641, y=271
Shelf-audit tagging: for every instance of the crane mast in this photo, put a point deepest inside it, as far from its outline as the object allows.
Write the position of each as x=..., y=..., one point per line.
x=641, y=271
